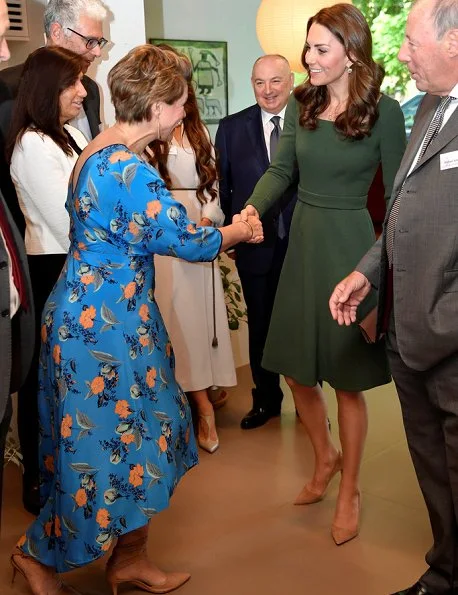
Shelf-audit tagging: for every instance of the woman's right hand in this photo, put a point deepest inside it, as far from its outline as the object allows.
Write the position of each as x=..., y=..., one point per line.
x=258, y=233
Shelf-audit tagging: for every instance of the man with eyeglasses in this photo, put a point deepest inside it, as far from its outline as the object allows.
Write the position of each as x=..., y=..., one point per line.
x=77, y=26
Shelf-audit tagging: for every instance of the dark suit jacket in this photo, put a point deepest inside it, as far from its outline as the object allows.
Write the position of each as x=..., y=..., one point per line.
x=9, y=84
x=17, y=334
x=242, y=157
x=425, y=268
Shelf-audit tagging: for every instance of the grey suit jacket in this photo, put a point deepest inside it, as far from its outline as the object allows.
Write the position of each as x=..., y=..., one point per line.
x=16, y=334
x=425, y=260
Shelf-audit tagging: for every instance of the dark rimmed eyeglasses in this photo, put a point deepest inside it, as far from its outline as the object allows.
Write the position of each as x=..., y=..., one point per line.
x=91, y=42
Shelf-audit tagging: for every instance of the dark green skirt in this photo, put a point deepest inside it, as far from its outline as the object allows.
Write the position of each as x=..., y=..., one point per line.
x=304, y=342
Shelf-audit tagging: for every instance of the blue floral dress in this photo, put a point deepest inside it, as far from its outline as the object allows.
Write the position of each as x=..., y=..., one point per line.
x=115, y=427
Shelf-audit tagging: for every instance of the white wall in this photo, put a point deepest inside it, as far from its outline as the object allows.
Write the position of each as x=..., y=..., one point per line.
x=233, y=21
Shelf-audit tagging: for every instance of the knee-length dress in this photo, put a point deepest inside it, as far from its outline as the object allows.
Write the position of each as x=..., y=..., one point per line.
x=115, y=427
x=190, y=295
x=330, y=232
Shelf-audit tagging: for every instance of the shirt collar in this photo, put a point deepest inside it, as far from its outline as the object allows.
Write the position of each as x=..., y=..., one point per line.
x=454, y=92
x=266, y=116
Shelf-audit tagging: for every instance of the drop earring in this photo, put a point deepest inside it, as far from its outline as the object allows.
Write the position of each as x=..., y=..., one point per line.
x=349, y=70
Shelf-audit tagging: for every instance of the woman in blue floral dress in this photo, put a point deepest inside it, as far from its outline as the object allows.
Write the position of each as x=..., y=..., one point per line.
x=115, y=427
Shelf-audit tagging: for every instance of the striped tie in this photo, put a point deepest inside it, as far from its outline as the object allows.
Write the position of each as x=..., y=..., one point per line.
x=433, y=129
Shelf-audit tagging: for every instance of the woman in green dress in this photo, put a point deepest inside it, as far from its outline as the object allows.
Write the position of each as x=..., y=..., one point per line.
x=338, y=129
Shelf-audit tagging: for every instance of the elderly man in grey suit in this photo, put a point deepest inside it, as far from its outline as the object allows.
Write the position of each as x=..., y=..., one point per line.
x=414, y=266
x=77, y=26
x=16, y=314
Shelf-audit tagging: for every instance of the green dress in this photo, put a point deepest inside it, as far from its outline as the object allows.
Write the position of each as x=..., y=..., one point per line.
x=331, y=230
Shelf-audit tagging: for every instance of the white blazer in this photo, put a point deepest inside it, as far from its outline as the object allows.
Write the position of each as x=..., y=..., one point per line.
x=41, y=171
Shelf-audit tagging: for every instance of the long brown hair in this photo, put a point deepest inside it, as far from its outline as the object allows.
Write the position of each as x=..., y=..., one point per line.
x=47, y=72
x=348, y=24
x=199, y=139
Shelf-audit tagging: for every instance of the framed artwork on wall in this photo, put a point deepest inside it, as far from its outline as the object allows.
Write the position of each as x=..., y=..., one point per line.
x=209, y=62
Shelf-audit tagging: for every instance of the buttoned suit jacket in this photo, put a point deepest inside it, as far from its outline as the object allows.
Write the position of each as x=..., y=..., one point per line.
x=16, y=334
x=242, y=160
x=9, y=84
x=425, y=259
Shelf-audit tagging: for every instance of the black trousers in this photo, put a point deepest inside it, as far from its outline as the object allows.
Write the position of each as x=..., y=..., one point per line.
x=429, y=403
x=4, y=426
x=259, y=293
x=44, y=272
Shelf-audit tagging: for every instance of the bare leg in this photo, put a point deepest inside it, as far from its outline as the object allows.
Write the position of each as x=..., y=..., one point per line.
x=312, y=410
x=352, y=430
x=206, y=436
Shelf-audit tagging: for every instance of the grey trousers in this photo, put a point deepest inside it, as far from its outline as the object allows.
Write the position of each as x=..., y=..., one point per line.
x=429, y=403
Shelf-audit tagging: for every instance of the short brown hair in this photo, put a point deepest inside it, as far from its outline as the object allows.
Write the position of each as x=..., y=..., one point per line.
x=147, y=74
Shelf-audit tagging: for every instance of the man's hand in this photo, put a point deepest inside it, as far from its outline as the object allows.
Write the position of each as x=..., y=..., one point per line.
x=347, y=296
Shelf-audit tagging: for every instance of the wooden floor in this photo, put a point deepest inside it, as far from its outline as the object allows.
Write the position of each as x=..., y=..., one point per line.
x=233, y=526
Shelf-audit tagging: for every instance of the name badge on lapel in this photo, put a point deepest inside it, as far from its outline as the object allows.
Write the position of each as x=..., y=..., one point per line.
x=449, y=160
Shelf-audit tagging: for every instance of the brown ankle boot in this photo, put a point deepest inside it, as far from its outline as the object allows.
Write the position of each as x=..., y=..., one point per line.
x=129, y=564
x=43, y=580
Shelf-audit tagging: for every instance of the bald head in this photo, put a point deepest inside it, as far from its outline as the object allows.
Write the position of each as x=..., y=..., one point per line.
x=272, y=82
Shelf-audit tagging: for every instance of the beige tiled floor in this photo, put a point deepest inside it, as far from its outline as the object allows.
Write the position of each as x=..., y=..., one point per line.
x=233, y=526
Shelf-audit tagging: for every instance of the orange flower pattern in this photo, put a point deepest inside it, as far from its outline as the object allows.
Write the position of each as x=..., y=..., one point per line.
x=115, y=434
x=122, y=409
x=136, y=475
x=66, y=426
x=87, y=317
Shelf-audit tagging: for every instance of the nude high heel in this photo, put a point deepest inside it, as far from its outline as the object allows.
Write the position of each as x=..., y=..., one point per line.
x=123, y=566
x=307, y=496
x=343, y=534
x=207, y=443
x=42, y=580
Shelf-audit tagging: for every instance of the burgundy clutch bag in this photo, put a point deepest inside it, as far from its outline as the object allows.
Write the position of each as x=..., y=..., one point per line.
x=368, y=326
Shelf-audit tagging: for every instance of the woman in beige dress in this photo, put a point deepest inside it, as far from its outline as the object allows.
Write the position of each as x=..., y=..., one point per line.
x=190, y=295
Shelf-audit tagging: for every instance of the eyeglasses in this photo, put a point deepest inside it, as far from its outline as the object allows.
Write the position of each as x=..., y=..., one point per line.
x=91, y=42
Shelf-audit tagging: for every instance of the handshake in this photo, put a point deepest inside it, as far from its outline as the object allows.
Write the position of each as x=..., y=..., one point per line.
x=250, y=217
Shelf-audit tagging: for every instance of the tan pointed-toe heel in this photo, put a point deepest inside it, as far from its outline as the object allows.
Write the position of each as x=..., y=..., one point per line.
x=207, y=443
x=127, y=560
x=173, y=581
x=308, y=496
x=343, y=534
x=40, y=578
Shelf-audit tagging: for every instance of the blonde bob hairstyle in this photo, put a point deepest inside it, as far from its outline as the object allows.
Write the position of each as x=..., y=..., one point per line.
x=146, y=75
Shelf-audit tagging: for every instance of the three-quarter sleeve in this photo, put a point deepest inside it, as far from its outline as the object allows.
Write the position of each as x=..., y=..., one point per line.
x=158, y=223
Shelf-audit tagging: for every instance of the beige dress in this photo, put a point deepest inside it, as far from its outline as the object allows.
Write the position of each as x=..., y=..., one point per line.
x=190, y=296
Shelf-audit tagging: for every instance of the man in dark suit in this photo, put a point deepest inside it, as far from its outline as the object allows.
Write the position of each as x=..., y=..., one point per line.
x=245, y=143
x=75, y=25
x=414, y=265
x=16, y=306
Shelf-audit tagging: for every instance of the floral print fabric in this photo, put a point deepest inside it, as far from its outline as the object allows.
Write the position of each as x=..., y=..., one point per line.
x=115, y=427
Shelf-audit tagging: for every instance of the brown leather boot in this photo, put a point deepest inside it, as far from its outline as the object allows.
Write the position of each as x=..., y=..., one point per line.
x=129, y=564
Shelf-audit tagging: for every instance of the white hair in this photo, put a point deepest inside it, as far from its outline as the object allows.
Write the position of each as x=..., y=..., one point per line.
x=68, y=12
